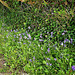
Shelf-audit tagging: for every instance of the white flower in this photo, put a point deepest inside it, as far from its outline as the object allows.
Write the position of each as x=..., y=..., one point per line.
x=29, y=27
x=62, y=43
x=25, y=37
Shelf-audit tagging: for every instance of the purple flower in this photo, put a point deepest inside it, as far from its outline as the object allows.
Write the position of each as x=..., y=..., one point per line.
x=50, y=64
x=66, y=40
x=64, y=45
x=55, y=59
x=48, y=59
x=23, y=33
x=29, y=27
x=11, y=30
x=19, y=34
x=66, y=59
x=41, y=40
x=60, y=56
x=14, y=36
x=73, y=67
x=52, y=13
x=20, y=38
x=51, y=34
x=34, y=57
x=41, y=36
x=47, y=63
x=30, y=60
x=24, y=43
x=26, y=32
x=15, y=31
x=47, y=32
x=61, y=43
x=7, y=36
x=48, y=50
x=29, y=36
x=71, y=41
x=63, y=33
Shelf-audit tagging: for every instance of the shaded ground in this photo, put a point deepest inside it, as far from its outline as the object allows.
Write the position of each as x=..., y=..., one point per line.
x=2, y=67
x=4, y=70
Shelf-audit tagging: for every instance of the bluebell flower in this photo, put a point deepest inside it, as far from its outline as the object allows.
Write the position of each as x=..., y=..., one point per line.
x=41, y=36
x=61, y=43
x=11, y=30
x=29, y=27
x=41, y=40
x=47, y=32
x=30, y=60
x=63, y=33
x=52, y=13
x=19, y=34
x=50, y=64
x=48, y=50
x=73, y=67
x=15, y=31
x=7, y=36
x=64, y=45
x=20, y=38
x=24, y=43
x=14, y=36
x=47, y=63
x=29, y=36
x=55, y=59
x=71, y=41
x=23, y=33
x=60, y=56
x=66, y=58
x=51, y=34
x=34, y=57
x=26, y=32
x=48, y=59
x=66, y=40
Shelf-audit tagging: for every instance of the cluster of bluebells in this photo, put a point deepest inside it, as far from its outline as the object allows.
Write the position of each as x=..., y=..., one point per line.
x=49, y=64
x=48, y=50
x=20, y=35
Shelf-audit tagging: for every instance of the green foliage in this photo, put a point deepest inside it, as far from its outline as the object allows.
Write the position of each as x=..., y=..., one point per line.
x=38, y=40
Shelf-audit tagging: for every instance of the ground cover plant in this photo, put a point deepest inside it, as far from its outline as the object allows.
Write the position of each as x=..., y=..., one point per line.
x=39, y=41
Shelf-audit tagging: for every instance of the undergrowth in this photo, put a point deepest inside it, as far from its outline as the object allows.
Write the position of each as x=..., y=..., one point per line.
x=39, y=41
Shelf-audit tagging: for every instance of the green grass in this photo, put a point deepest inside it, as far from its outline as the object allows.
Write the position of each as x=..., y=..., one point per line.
x=35, y=58
x=47, y=49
